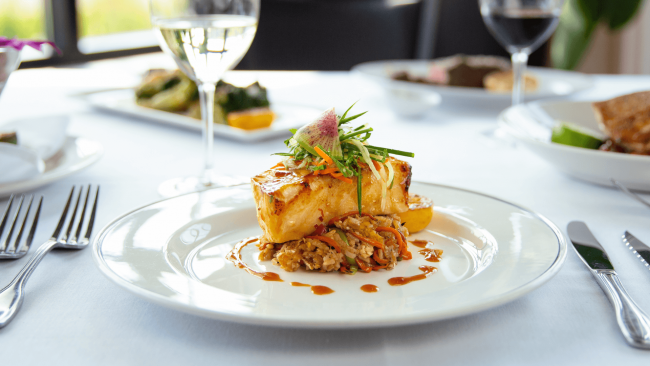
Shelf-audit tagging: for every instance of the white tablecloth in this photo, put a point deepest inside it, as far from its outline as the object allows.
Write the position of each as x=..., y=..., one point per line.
x=73, y=315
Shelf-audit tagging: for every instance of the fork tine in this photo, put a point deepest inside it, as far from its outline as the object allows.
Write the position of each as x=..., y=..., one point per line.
x=6, y=214
x=3, y=246
x=91, y=220
x=83, y=214
x=59, y=226
x=68, y=230
x=16, y=244
x=30, y=236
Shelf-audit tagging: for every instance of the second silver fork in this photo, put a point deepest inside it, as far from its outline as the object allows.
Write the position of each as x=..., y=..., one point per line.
x=11, y=297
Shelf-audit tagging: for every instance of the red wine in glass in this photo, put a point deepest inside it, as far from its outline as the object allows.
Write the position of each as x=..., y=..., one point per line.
x=520, y=26
x=524, y=29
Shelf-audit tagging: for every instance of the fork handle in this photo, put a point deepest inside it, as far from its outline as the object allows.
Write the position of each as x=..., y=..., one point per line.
x=632, y=321
x=11, y=297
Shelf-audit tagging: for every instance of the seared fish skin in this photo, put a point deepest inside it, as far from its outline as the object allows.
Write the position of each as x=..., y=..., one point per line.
x=626, y=120
x=291, y=204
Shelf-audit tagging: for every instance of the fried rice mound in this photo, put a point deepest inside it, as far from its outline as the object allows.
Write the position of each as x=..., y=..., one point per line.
x=360, y=230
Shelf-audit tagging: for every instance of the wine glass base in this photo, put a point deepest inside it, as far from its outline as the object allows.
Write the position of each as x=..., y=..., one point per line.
x=178, y=186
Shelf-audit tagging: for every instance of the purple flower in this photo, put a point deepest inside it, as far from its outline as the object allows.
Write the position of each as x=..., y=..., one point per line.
x=19, y=44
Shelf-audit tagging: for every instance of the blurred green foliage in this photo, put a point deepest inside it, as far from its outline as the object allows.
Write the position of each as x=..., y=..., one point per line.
x=22, y=20
x=579, y=20
x=25, y=19
x=97, y=17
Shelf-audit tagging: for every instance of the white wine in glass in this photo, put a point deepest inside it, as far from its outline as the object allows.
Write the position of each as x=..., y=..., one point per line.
x=206, y=38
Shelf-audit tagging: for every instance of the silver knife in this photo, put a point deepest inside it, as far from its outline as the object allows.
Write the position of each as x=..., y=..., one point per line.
x=641, y=250
x=634, y=324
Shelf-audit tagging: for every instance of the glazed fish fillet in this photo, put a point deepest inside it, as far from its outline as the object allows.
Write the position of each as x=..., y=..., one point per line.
x=626, y=119
x=291, y=205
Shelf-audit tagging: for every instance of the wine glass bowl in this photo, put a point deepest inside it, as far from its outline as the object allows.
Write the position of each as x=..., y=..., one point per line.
x=205, y=38
x=520, y=26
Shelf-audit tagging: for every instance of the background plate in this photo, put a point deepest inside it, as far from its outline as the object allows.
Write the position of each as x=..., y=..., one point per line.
x=173, y=253
x=122, y=101
x=552, y=82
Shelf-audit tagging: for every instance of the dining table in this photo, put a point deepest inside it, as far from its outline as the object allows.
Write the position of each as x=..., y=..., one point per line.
x=74, y=315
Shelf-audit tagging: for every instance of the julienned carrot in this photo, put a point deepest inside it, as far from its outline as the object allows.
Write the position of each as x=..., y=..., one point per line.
x=377, y=268
x=340, y=176
x=369, y=241
x=321, y=162
x=323, y=155
x=363, y=266
x=327, y=240
x=397, y=234
x=328, y=171
x=376, y=164
x=379, y=260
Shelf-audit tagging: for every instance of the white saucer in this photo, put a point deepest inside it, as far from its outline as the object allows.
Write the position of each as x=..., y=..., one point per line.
x=18, y=163
x=76, y=154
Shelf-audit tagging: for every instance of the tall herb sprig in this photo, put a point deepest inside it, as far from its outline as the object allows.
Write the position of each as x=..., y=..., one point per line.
x=356, y=152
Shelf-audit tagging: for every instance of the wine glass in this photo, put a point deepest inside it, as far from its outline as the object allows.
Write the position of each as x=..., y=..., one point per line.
x=520, y=26
x=205, y=38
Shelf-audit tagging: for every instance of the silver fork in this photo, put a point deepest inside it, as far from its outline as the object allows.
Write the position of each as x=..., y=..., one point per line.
x=9, y=250
x=11, y=297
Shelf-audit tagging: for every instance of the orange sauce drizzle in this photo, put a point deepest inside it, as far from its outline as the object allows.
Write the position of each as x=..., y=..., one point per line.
x=431, y=255
x=235, y=257
x=369, y=288
x=321, y=290
x=400, y=281
x=298, y=284
x=420, y=243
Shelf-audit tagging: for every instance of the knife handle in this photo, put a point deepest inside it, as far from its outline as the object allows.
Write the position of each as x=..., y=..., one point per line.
x=633, y=322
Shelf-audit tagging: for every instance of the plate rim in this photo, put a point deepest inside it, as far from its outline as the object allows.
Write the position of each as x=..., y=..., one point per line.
x=491, y=302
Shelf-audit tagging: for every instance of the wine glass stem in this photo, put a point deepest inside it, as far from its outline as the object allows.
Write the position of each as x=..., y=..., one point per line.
x=206, y=96
x=519, y=61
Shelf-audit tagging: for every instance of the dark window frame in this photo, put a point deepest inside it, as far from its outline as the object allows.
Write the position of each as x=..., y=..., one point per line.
x=61, y=28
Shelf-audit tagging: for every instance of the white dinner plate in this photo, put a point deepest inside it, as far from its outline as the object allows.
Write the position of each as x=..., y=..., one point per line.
x=551, y=82
x=76, y=154
x=531, y=125
x=172, y=252
x=122, y=101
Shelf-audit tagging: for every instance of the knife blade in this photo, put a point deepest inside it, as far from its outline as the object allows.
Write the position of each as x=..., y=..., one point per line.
x=633, y=322
x=637, y=247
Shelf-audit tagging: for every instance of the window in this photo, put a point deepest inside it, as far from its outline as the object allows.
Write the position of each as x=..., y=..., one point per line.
x=110, y=25
x=24, y=19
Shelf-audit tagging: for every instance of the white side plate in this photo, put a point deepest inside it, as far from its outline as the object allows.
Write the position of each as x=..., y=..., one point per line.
x=76, y=154
x=531, y=124
x=122, y=101
x=18, y=163
x=172, y=252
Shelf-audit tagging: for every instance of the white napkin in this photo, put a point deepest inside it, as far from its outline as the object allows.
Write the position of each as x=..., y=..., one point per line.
x=18, y=163
x=45, y=135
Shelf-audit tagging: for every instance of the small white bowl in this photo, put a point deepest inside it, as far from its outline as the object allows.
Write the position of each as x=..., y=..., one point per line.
x=531, y=125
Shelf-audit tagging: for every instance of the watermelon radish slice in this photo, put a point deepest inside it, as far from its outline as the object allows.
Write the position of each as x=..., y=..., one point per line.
x=323, y=132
